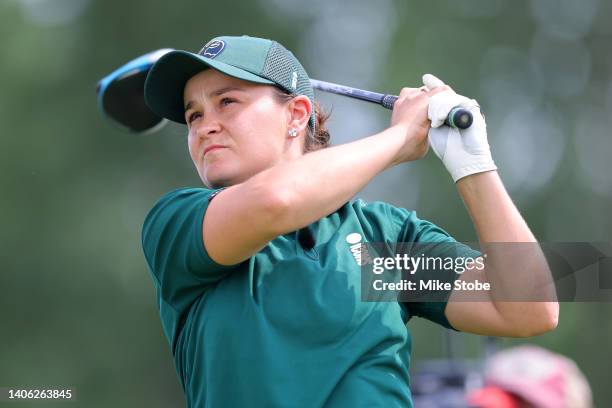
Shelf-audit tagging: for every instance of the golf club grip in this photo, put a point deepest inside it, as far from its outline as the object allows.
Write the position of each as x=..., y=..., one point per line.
x=458, y=117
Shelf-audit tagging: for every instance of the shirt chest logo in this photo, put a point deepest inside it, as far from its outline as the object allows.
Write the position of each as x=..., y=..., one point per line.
x=358, y=249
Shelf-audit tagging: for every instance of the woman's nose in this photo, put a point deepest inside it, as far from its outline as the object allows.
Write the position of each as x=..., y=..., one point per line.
x=208, y=127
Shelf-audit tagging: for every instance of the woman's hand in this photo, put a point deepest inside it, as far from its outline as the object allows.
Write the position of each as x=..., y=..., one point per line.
x=410, y=114
x=463, y=152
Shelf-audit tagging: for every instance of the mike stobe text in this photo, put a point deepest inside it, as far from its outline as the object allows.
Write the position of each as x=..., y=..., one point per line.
x=431, y=285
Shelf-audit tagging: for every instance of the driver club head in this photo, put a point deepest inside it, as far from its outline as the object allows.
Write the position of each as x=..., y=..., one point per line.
x=121, y=95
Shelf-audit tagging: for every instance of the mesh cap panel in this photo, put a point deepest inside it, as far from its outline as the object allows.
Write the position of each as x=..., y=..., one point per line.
x=282, y=67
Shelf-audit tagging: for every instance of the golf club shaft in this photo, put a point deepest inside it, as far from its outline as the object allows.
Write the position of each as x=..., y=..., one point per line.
x=458, y=117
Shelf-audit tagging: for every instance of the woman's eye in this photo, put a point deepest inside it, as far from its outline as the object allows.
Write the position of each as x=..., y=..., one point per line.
x=193, y=117
x=226, y=101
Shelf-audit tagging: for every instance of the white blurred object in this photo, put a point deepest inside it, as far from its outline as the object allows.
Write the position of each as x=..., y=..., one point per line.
x=566, y=64
x=593, y=145
x=566, y=19
x=529, y=146
x=509, y=78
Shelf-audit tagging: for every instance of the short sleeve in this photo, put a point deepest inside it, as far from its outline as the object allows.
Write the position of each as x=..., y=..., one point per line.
x=432, y=242
x=174, y=250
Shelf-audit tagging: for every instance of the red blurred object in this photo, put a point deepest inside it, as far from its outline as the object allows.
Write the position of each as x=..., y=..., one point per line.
x=493, y=397
x=535, y=377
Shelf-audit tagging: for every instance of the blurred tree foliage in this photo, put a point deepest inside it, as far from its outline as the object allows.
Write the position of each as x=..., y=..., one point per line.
x=78, y=306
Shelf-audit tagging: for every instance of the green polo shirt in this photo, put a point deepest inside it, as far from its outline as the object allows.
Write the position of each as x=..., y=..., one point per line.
x=287, y=327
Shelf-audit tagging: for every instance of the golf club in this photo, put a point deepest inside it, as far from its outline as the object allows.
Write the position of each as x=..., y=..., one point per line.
x=121, y=96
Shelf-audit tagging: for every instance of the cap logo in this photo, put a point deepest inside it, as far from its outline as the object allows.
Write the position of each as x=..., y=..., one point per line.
x=212, y=49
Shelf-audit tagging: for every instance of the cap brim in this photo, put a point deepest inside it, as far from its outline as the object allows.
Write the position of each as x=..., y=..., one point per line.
x=165, y=83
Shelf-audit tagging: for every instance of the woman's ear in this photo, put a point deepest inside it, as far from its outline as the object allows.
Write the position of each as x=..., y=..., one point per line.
x=299, y=109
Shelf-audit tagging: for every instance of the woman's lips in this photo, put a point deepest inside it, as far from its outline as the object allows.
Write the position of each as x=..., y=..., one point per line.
x=212, y=147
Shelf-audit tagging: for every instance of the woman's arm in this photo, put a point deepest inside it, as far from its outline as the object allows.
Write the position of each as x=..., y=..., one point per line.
x=519, y=270
x=243, y=218
x=521, y=301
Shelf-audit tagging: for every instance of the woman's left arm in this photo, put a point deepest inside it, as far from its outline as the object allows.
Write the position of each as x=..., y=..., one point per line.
x=521, y=301
x=518, y=269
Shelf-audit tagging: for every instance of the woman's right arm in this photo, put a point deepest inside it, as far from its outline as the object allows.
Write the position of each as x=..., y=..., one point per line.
x=243, y=218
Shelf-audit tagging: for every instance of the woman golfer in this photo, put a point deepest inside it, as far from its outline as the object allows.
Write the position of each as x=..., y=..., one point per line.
x=258, y=280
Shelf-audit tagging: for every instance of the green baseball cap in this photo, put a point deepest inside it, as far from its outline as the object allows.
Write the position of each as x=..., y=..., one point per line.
x=249, y=58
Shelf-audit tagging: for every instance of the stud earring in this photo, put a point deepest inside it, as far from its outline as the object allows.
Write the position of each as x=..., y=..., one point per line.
x=292, y=132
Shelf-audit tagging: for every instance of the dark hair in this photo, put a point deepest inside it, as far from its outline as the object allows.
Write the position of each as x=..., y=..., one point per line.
x=314, y=140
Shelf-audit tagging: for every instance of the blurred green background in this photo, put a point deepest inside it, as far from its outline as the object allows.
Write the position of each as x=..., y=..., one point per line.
x=78, y=305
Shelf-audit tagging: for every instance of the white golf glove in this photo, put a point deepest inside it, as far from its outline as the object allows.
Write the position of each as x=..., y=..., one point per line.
x=465, y=151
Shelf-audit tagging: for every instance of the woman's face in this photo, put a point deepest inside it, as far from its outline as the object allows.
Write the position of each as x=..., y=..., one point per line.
x=242, y=118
